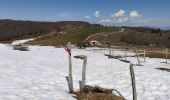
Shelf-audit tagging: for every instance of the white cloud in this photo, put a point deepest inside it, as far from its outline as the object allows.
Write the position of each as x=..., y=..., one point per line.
x=97, y=14
x=120, y=18
x=134, y=14
x=88, y=17
x=115, y=20
x=105, y=21
x=123, y=19
x=120, y=13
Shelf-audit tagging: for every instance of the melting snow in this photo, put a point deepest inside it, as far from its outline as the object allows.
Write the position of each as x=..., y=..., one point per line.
x=39, y=74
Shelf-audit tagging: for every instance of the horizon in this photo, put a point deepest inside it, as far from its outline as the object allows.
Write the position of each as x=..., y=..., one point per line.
x=162, y=28
x=119, y=13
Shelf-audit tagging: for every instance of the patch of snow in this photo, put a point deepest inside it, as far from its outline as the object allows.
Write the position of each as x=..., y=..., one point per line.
x=39, y=74
x=17, y=42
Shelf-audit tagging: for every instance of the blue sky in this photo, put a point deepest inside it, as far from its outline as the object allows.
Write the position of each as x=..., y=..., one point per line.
x=107, y=12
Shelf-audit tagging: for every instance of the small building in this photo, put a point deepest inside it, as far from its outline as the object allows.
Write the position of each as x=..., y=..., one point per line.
x=62, y=32
x=94, y=43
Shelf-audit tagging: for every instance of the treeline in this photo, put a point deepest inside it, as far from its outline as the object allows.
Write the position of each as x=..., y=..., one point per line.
x=147, y=36
x=144, y=29
x=15, y=29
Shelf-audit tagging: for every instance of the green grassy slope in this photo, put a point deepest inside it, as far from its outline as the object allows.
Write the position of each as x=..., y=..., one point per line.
x=74, y=36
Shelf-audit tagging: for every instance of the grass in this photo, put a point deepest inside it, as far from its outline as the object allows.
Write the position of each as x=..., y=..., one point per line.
x=74, y=37
x=114, y=37
x=96, y=93
x=155, y=55
x=96, y=96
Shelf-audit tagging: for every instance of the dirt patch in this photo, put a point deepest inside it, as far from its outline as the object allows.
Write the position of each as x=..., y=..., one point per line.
x=111, y=56
x=96, y=93
x=96, y=96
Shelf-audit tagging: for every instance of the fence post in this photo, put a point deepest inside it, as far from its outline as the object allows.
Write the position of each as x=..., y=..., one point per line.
x=83, y=81
x=133, y=82
x=166, y=55
x=144, y=55
x=80, y=86
x=84, y=71
x=110, y=52
x=137, y=57
x=70, y=69
x=125, y=53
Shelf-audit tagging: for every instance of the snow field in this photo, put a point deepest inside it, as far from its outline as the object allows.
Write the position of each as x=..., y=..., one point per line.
x=39, y=74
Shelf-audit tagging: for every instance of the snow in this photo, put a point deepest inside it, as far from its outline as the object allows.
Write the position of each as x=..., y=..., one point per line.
x=39, y=74
x=17, y=42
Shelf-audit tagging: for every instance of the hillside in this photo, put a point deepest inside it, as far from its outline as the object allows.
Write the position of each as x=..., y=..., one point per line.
x=59, y=33
x=16, y=29
x=113, y=35
x=74, y=36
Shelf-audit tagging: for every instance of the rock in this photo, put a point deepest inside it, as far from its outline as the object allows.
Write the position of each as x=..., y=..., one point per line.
x=96, y=89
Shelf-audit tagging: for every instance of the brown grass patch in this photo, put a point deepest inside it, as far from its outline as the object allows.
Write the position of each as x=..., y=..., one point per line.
x=96, y=96
x=155, y=55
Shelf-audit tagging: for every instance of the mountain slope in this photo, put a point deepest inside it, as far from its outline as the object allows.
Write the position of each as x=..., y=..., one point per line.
x=15, y=29
x=74, y=36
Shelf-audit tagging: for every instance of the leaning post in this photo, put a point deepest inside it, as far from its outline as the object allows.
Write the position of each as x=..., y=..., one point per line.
x=133, y=82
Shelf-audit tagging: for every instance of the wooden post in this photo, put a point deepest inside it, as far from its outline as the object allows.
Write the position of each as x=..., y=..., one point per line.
x=166, y=55
x=80, y=86
x=133, y=82
x=144, y=55
x=83, y=82
x=110, y=52
x=125, y=53
x=137, y=57
x=70, y=69
x=84, y=71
